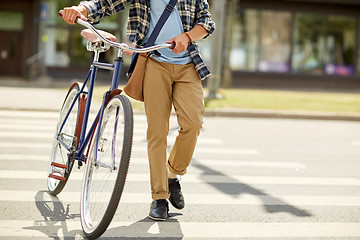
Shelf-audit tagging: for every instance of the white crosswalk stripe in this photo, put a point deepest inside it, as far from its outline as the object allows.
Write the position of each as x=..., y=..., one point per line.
x=209, y=230
x=208, y=162
x=261, y=180
x=47, y=145
x=215, y=180
x=212, y=199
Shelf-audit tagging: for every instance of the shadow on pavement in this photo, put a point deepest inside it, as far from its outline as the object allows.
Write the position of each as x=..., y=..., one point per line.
x=56, y=214
x=239, y=188
x=148, y=229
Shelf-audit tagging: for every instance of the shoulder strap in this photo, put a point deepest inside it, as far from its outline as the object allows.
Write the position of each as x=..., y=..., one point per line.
x=163, y=18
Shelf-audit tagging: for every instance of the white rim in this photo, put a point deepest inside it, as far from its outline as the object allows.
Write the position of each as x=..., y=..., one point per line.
x=59, y=154
x=99, y=181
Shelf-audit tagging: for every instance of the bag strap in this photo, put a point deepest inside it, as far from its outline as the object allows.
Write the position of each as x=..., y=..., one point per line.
x=159, y=25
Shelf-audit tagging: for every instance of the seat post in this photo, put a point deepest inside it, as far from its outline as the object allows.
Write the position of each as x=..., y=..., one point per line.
x=120, y=53
x=96, y=55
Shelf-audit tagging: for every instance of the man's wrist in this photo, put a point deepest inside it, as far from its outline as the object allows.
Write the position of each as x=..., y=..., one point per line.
x=189, y=37
x=83, y=10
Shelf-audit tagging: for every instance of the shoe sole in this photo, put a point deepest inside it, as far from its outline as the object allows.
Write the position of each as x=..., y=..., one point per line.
x=175, y=206
x=157, y=219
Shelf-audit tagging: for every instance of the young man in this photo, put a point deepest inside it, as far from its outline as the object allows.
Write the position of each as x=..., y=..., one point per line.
x=172, y=78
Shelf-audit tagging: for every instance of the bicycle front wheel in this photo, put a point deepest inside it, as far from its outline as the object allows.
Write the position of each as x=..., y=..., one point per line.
x=106, y=167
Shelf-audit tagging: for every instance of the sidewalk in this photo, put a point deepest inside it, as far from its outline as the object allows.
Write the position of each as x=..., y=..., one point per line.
x=44, y=97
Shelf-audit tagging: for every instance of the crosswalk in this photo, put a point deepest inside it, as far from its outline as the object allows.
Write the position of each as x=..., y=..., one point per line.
x=231, y=192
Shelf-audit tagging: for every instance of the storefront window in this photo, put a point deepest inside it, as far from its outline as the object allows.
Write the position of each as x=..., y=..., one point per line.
x=358, y=49
x=324, y=44
x=309, y=43
x=261, y=41
x=65, y=46
x=340, y=46
x=245, y=41
x=321, y=44
x=11, y=21
x=275, y=41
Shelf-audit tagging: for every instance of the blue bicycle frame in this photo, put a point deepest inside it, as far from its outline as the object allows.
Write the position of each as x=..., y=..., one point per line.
x=83, y=141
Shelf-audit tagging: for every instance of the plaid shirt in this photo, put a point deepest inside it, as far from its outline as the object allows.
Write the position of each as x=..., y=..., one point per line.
x=192, y=12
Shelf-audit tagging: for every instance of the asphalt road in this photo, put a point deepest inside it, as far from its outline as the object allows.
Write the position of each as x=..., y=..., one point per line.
x=251, y=178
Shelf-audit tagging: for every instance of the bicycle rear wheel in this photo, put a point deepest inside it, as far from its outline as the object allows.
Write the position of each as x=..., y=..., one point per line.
x=60, y=165
x=106, y=167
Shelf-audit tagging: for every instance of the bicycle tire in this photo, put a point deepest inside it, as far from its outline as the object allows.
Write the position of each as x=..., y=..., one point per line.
x=103, y=184
x=59, y=153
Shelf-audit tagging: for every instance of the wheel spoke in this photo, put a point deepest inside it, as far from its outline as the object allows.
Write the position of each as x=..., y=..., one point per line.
x=60, y=153
x=107, y=172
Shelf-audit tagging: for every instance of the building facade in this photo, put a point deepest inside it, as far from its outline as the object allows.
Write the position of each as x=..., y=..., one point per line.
x=18, y=35
x=282, y=43
x=305, y=43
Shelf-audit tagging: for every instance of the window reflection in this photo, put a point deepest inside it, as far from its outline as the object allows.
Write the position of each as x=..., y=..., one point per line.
x=245, y=41
x=340, y=45
x=275, y=41
x=65, y=47
x=265, y=40
x=309, y=43
x=11, y=20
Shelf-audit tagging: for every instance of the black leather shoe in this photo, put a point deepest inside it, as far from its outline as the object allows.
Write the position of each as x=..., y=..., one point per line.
x=159, y=210
x=176, y=196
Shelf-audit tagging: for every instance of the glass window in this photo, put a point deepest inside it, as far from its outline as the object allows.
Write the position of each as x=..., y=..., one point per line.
x=340, y=46
x=309, y=43
x=324, y=44
x=245, y=40
x=261, y=41
x=11, y=20
x=65, y=46
x=275, y=41
x=358, y=53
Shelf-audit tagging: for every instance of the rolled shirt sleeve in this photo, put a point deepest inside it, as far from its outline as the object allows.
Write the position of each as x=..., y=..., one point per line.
x=98, y=9
x=203, y=17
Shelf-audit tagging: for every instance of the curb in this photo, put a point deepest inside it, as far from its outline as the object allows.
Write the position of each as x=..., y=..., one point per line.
x=252, y=113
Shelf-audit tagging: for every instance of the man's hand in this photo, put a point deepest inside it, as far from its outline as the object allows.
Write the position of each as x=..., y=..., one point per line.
x=184, y=39
x=181, y=42
x=70, y=14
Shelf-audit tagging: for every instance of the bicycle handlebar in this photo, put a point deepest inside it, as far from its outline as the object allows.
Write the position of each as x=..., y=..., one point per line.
x=122, y=46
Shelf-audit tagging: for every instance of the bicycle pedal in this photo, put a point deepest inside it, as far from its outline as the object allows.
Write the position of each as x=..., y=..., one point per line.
x=59, y=165
x=57, y=177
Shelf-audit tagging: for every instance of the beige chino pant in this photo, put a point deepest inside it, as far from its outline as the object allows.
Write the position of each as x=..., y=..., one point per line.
x=167, y=84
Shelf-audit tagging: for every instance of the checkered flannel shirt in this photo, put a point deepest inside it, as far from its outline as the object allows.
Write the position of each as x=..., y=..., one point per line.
x=192, y=12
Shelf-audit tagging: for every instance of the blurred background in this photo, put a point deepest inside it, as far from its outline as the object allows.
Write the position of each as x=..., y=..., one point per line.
x=308, y=44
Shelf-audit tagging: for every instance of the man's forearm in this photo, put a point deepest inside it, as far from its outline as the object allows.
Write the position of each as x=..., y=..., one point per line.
x=197, y=33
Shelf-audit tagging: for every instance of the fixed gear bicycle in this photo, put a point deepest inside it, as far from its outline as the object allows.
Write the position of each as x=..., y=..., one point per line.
x=105, y=148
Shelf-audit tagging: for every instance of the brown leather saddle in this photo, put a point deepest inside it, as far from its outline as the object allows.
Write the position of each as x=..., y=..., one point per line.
x=90, y=36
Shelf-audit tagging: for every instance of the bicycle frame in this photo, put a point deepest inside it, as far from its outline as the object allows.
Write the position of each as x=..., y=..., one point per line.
x=85, y=138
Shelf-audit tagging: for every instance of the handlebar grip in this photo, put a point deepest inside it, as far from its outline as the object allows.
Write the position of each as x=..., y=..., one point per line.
x=173, y=44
